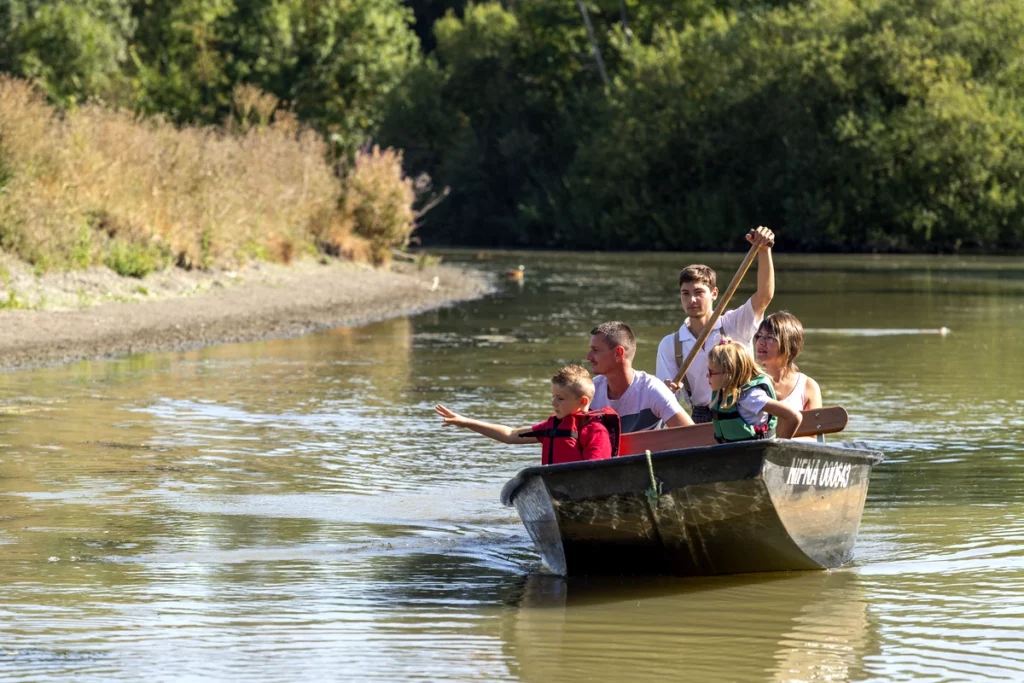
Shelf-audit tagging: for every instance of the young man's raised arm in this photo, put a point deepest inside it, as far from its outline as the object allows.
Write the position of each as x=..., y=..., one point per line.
x=764, y=239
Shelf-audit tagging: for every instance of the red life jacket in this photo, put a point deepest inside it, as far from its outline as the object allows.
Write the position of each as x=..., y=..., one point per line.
x=561, y=439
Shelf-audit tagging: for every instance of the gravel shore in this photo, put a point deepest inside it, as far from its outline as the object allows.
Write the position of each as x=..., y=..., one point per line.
x=96, y=314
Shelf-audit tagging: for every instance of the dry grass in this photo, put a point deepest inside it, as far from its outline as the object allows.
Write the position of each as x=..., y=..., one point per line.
x=379, y=201
x=377, y=209
x=99, y=186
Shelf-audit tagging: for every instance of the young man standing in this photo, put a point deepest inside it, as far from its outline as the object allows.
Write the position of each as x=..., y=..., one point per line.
x=641, y=400
x=698, y=289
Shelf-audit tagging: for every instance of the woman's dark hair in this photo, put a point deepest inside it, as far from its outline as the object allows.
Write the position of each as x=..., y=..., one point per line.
x=785, y=327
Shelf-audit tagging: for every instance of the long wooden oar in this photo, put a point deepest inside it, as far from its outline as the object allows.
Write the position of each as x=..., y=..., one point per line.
x=723, y=301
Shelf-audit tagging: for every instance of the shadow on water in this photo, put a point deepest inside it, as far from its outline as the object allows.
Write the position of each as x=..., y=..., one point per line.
x=486, y=569
x=808, y=626
x=786, y=626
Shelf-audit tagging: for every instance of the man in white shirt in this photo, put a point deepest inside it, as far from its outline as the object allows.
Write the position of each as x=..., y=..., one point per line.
x=641, y=400
x=698, y=290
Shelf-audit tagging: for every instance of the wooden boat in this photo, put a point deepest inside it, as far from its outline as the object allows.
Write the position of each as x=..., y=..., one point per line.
x=750, y=506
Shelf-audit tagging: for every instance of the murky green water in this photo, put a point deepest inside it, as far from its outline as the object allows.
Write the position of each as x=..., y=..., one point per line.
x=291, y=509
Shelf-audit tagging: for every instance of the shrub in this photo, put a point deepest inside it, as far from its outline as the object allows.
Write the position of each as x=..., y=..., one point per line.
x=378, y=202
x=99, y=186
x=134, y=259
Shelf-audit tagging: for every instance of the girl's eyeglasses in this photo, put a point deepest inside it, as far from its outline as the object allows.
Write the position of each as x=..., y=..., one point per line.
x=765, y=337
x=712, y=373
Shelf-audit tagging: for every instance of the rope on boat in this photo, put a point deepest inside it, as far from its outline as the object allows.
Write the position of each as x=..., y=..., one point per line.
x=655, y=489
x=652, y=500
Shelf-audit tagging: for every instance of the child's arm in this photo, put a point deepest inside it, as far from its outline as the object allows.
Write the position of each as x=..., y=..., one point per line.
x=595, y=442
x=496, y=432
x=789, y=419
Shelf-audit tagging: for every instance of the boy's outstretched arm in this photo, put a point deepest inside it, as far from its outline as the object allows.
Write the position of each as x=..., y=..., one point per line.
x=496, y=432
x=789, y=419
x=764, y=239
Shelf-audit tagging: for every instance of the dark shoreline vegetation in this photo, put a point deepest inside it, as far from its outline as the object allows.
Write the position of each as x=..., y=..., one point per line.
x=201, y=133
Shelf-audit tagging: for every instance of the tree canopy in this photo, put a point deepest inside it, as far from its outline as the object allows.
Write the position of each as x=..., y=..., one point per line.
x=843, y=124
x=852, y=125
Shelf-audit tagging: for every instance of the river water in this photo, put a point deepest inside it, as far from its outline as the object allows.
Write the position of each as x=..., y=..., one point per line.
x=291, y=509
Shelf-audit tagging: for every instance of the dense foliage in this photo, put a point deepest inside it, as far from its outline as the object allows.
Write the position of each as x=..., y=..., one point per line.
x=332, y=61
x=192, y=132
x=843, y=124
x=862, y=125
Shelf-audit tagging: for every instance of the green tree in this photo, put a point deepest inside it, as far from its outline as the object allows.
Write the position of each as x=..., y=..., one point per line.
x=496, y=114
x=179, y=59
x=427, y=13
x=853, y=126
x=334, y=61
x=74, y=51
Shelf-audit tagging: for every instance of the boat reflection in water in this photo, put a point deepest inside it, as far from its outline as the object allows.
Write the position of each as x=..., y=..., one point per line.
x=807, y=626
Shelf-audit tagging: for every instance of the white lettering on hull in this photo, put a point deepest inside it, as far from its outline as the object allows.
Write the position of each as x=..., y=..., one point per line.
x=823, y=474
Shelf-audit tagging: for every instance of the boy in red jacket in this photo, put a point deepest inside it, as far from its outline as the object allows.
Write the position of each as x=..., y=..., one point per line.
x=572, y=434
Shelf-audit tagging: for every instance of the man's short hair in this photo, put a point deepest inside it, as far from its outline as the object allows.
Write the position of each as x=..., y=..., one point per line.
x=617, y=333
x=576, y=379
x=698, y=274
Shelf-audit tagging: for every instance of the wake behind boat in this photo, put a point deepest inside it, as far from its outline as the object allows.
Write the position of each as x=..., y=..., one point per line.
x=749, y=506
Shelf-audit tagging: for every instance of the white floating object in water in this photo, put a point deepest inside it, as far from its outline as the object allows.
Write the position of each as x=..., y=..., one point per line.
x=878, y=332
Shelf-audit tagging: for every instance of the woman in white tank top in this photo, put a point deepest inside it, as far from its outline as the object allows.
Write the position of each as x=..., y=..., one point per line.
x=779, y=340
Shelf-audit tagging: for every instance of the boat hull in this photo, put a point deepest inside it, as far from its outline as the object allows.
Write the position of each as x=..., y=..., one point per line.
x=751, y=506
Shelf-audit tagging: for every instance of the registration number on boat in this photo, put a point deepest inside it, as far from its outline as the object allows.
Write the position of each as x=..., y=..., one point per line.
x=820, y=473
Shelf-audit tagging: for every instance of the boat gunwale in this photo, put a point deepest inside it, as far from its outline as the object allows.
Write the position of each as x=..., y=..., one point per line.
x=856, y=450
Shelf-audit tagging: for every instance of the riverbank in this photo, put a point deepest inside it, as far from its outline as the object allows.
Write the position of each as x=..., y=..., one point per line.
x=65, y=317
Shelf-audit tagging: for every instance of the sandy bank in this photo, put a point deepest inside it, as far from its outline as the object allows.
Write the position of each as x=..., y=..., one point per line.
x=176, y=310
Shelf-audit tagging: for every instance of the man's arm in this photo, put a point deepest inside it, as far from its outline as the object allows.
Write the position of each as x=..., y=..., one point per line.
x=679, y=420
x=764, y=239
x=670, y=412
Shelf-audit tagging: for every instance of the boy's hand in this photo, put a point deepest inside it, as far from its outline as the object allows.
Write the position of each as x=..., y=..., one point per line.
x=761, y=237
x=450, y=419
x=672, y=386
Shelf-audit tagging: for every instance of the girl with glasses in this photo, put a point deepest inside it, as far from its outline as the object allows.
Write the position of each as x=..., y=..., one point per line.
x=743, y=404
